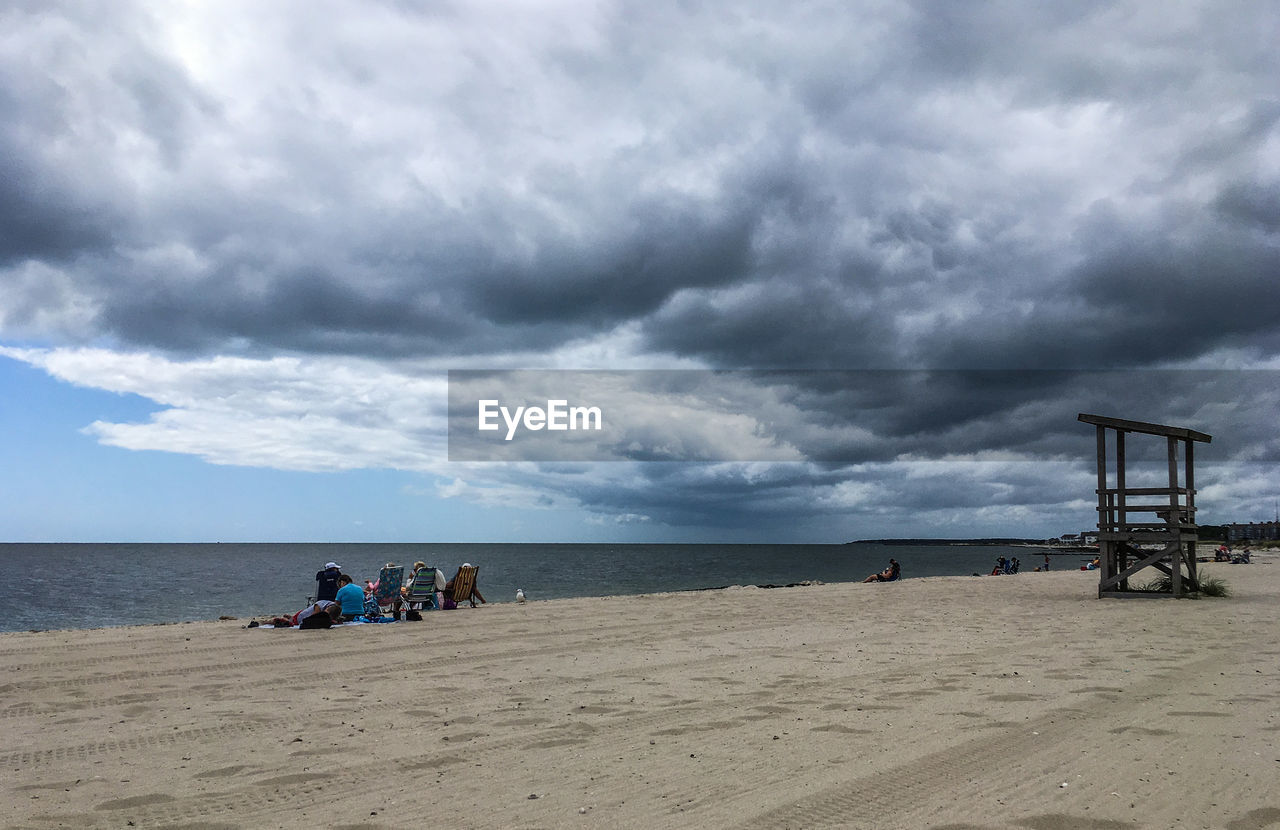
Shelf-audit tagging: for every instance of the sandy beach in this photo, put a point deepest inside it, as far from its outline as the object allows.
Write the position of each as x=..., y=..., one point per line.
x=957, y=702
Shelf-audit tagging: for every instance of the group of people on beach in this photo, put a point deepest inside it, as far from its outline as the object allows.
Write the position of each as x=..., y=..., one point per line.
x=1008, y=566
x=338, y=598
x=1225, y=553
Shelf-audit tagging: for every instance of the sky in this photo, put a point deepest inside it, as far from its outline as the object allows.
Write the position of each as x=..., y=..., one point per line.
x=830, y=270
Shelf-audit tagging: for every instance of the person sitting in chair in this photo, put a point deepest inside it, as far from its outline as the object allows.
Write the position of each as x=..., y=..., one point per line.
x=472, y=596
x=327, y=581
x=380, y=592
x=420, y=567
x=889, y=574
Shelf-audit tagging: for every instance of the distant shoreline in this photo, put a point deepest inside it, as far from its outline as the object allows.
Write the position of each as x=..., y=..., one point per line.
x=923, y=542
x=1035, y=544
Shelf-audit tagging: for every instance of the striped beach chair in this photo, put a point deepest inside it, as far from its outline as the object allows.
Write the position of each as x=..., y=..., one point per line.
x=462, y=588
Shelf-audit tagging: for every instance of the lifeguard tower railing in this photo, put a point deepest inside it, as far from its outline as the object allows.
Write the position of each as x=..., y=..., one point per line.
x=1146, y=527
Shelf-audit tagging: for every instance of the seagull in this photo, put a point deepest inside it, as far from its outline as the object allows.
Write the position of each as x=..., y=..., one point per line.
x=519, y=595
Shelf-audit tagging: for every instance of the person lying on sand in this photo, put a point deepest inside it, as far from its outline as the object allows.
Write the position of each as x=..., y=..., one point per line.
x=330, y=611
x=323, y=606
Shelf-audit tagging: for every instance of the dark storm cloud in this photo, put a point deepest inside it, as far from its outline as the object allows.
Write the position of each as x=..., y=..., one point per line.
x=309, y=311
x=826, y=194
x=663, y=250
x=1251, y=203
x=1041, y=191
x=42, y=214
x=60, y=195
x=843, y=416
x=823, y=502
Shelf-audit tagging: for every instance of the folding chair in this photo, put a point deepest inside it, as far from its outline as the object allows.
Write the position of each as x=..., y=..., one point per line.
x=463, y=587
x=386, y=591
x=421, y=594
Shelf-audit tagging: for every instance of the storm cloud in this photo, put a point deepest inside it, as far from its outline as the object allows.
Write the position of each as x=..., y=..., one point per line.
x=1046, y=193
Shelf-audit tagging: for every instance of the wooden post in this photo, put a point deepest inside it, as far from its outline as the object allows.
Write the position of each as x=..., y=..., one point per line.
x=1106, y=512
x=1122, y=522
x=1189, y=478
x=1174, y=520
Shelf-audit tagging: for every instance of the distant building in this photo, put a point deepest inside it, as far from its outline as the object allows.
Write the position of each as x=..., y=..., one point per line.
x=1088, y=537
x=1253, y=530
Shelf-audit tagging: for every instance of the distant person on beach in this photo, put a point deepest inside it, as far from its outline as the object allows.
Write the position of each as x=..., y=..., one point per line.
x=1046, y=561
x=381, y=594
x=372, y=587
x=889, y=574
x=350, y=597
x=413, y=574
x=327, y=607
x=424, y=580
x=421, y=567
x=372, y=611
x=327, y=581
x=475, y=591
x=328, y=618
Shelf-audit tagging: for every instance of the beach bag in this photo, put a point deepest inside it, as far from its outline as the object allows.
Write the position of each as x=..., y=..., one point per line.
x=371, y=608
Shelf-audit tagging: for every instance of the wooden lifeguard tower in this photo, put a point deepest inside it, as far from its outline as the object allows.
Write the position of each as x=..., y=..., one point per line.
x=1141, y=527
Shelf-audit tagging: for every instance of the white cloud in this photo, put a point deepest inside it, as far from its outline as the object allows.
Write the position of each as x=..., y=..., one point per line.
x=315, y=414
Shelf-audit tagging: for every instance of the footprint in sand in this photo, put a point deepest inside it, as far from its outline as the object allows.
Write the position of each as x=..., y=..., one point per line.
x=222, y=772
x=135, y=801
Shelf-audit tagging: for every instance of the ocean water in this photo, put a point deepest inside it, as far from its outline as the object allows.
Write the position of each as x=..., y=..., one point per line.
x=60, y=586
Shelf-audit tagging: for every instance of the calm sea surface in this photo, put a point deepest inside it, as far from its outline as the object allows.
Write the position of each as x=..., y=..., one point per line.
x=95, y=585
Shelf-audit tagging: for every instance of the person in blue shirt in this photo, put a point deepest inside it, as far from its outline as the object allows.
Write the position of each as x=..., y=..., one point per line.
x=350, y=597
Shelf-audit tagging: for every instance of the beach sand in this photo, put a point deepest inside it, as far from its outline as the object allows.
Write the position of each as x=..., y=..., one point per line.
x=957, y=702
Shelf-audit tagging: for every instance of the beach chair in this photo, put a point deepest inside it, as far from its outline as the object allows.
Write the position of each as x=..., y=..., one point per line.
x=387, y=592
x=421, y=595
x=464, y=586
